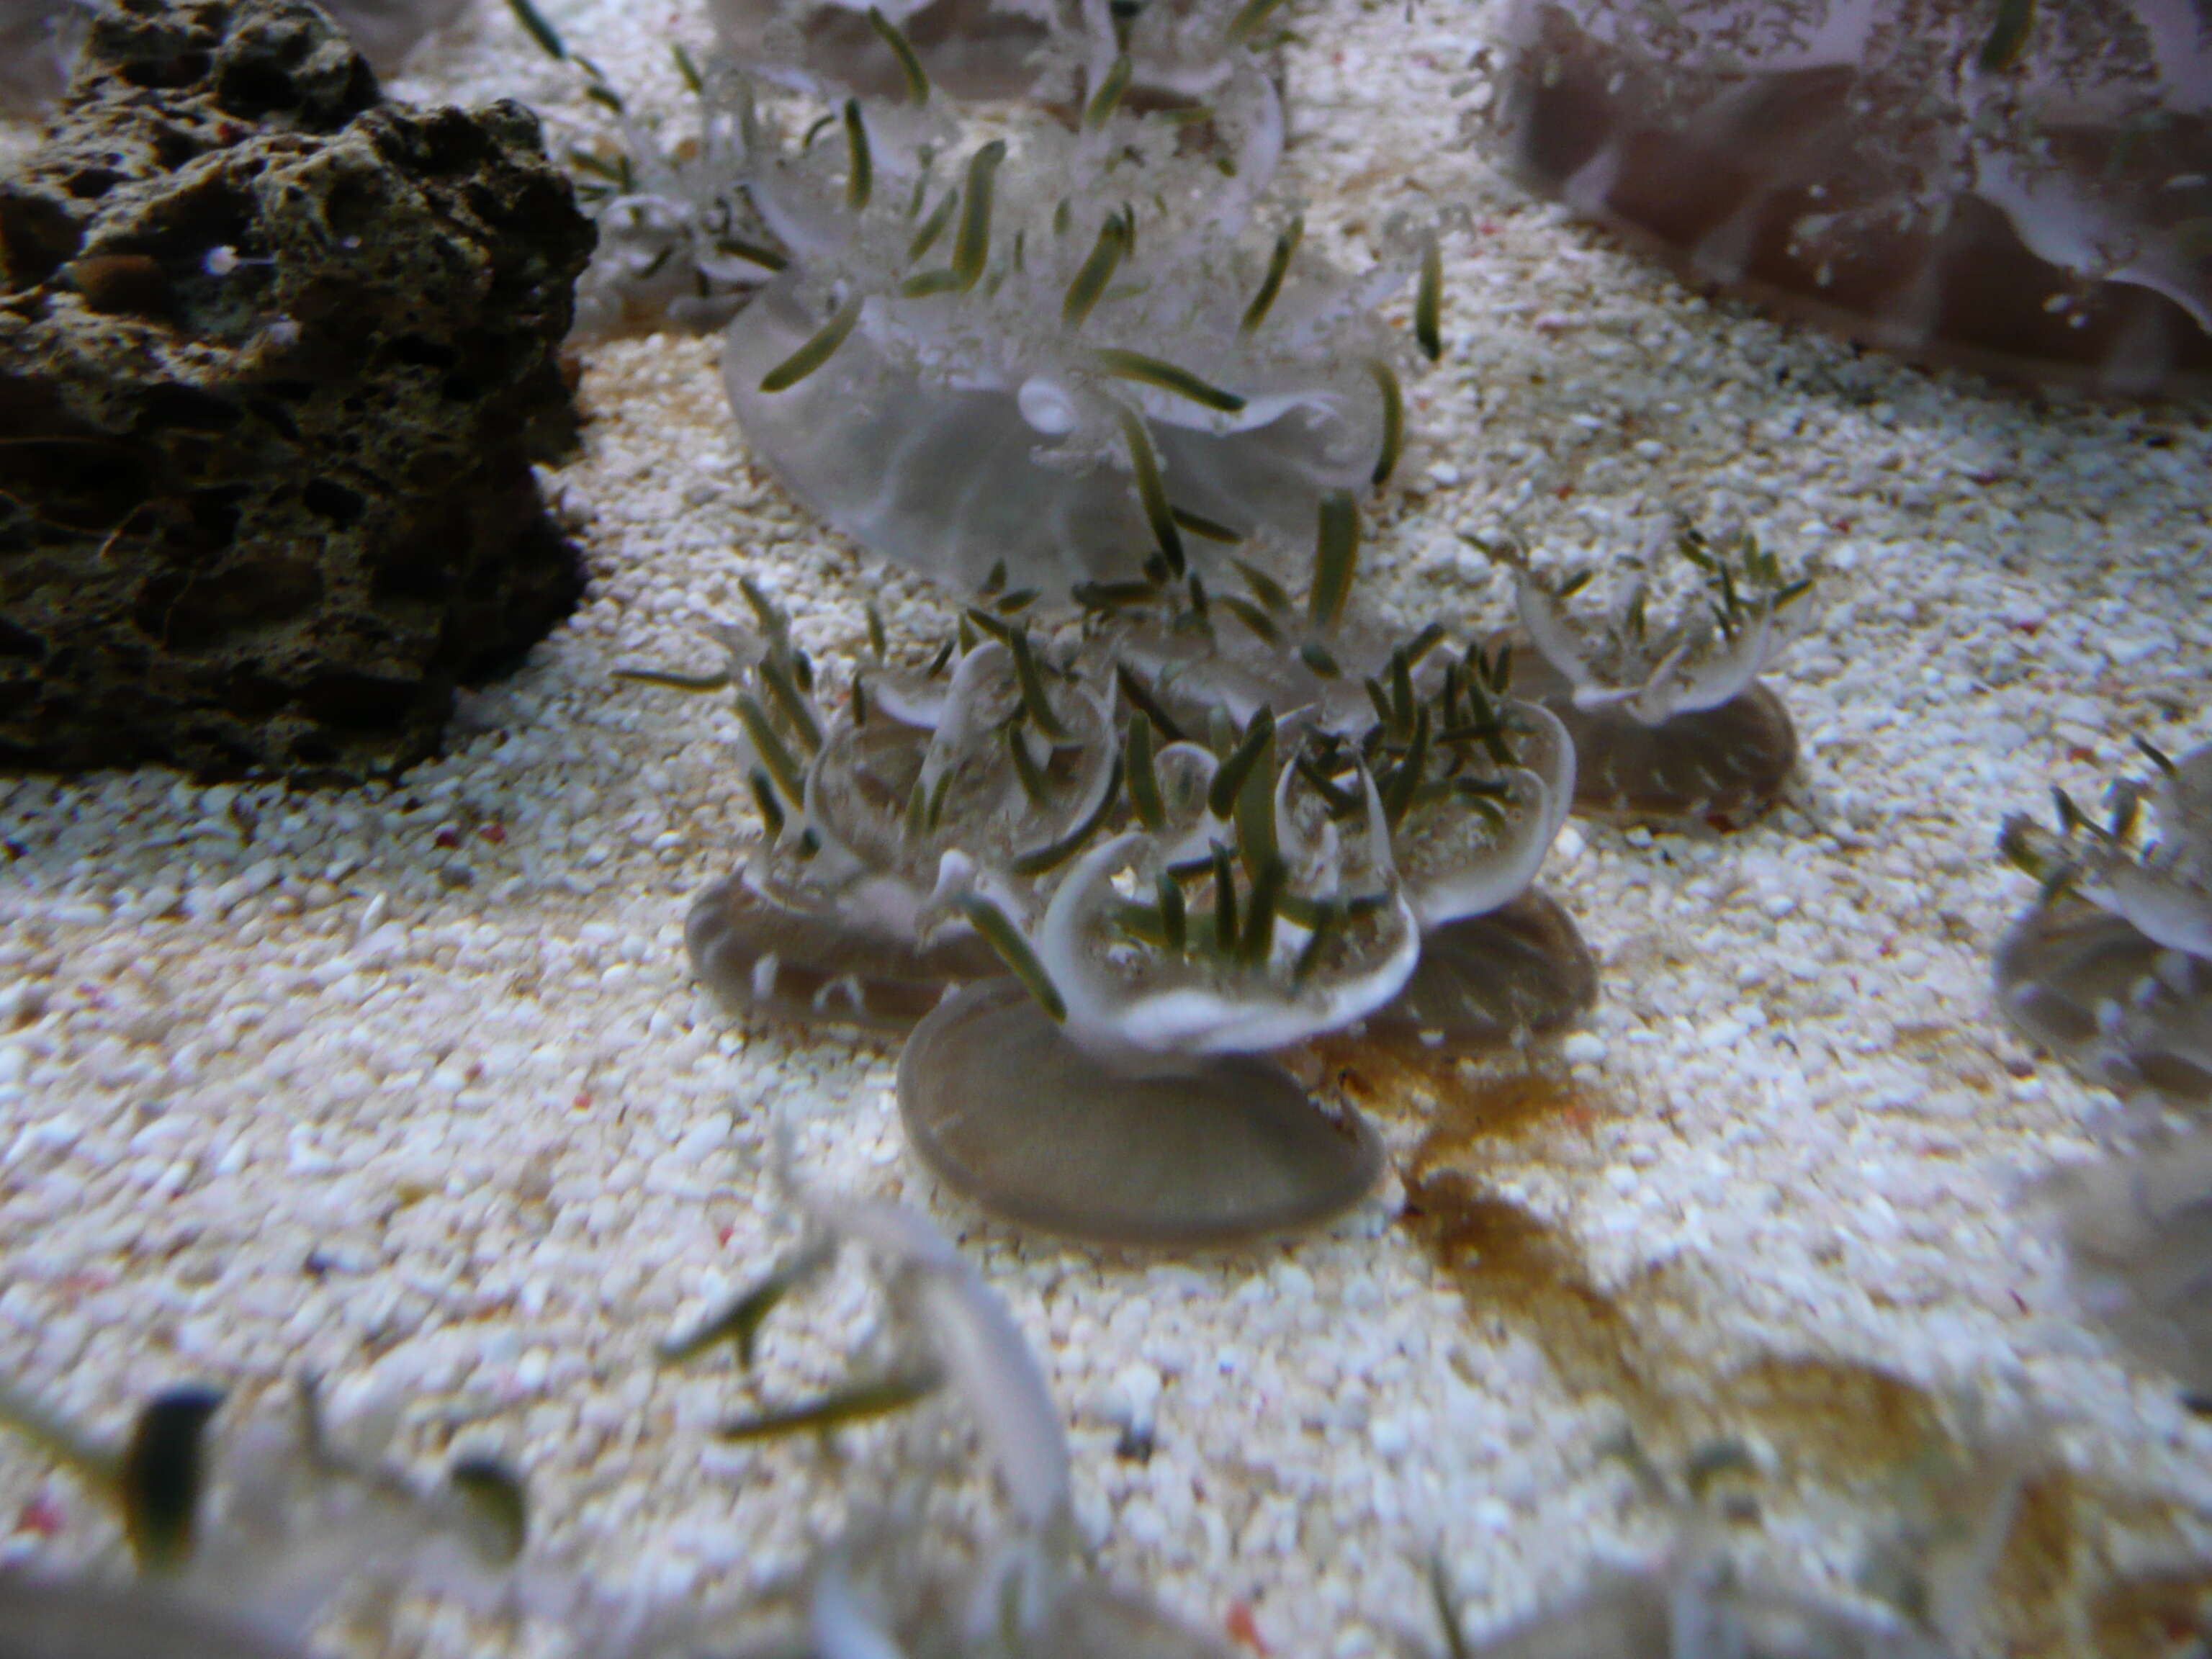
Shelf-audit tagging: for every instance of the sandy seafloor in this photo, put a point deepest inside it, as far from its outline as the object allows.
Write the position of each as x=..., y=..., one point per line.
x=411, y=1089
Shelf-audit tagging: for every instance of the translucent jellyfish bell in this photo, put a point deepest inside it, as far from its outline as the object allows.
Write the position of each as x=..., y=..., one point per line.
x=1468, y=853
x=1050, y=360
x=1668, y=717
x=2111, y=966
x=1134, y=992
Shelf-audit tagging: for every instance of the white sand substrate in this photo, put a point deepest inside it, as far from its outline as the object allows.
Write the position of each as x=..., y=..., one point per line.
x=411, y=1088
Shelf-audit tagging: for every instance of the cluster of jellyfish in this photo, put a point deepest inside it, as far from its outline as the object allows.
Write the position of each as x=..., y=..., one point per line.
x=1105, y=875
x=1170, y=805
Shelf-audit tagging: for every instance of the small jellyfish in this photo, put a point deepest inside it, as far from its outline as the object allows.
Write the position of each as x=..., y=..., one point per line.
x=877, y=814
x=2111, y=967
x=1669, y=720
x=1277, y=917
x=1474, y=783
x=679, y=245
x=1256, y=900
x=1187, y=653
x=795, y=959
x=2081, y=982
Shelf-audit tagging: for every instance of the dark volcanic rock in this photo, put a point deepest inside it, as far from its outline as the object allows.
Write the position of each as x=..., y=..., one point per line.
x=275, y=360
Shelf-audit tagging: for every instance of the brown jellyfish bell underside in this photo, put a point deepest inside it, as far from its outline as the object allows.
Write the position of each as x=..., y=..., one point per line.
x=1005, y=1108
x=1730, y=761
x=761, y=957
x=2022, y=190
x=1519, y=971
x=2086, y=984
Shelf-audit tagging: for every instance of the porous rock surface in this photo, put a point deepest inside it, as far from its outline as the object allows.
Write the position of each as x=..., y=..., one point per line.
x=275, y=357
